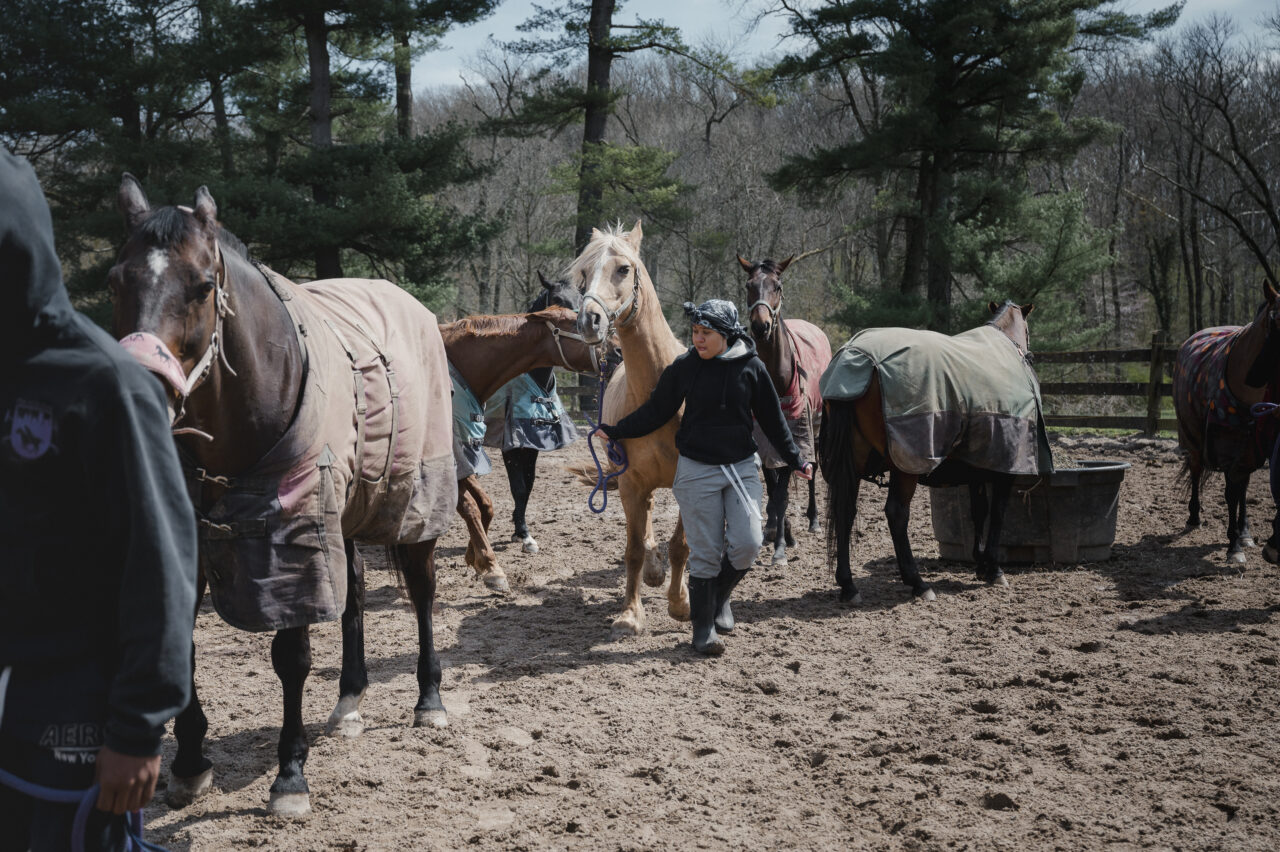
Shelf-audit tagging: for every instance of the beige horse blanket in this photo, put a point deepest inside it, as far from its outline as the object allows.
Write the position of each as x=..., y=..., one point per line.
x=368, y=457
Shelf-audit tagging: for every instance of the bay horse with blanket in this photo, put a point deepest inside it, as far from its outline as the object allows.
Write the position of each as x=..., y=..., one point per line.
x=1219, y=375
x=795, y=353
x=934, y=410
x=307, y=418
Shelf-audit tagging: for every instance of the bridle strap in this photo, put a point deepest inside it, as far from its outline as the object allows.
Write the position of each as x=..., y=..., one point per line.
x=557, y=333
x=773, y=312
x=215, y=350
x=633, y=304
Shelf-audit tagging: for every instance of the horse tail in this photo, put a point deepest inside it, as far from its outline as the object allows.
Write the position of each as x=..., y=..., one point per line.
x=587, y=475
x=839, y=468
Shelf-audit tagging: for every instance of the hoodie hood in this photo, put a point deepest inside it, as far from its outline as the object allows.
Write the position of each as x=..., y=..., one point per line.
x=741, y=348
x=33, y=299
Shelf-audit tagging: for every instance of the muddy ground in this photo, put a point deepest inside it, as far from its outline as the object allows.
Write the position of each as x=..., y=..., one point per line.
x=1131, y=702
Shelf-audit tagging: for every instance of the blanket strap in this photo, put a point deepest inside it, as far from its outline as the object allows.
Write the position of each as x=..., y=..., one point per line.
x=362, y=405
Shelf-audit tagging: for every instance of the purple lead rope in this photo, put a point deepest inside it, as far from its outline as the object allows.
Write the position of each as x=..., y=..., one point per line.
x=614, y=451
x=84, y=800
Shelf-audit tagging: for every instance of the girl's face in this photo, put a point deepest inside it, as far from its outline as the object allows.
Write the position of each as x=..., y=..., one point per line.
x=708, y=342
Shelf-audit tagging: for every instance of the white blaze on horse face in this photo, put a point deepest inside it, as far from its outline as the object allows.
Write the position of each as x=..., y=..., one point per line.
x=157, y=262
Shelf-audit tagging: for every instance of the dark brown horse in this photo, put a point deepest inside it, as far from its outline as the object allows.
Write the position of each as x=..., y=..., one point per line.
x=783, y=344
x=238, y=363
x=1219, y=374
x=857, y=441
x=488, y=352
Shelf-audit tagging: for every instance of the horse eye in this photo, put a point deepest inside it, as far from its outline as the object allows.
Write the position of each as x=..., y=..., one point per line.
x=624, y=270
x=206, y=287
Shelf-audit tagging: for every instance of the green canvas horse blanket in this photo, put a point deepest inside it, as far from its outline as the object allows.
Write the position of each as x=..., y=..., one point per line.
x=971, y=397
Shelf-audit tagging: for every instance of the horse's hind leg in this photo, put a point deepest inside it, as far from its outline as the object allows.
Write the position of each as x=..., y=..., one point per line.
x=812, y=511
x=771, y=511
x=1001, y=487
x=417, y=563
x=345, y=720
x=638, y=507
x=678, y=588
x=842, y=511
x=779, y=498
x=291, y=659
x=1235, y=495
x=522, y=467
x=897, y=509
x=1195, y=475
x=191, y=774
x=978, y=516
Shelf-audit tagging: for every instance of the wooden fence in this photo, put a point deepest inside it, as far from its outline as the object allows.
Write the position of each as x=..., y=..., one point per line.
x=580, y=399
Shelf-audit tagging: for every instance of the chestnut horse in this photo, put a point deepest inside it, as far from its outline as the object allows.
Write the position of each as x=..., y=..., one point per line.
x=855, y=443
x=795, y=353
x=488, y=352
x=618, y=296
x=1219, y=374
x=240, y=367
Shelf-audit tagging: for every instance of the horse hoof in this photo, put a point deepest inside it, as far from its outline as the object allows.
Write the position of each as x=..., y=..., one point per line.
x=497, y=583
x=1236, y=558
x=1270, y=554
x=289, y=804
x=1000, y=580
x=679, y=610
x=627, y=625
x=183, y=791
x=926, y=595
x=779, y=559
x=529, y=545
x=851, y=597
x=815, y=527
x=1247, y=541
x=654, y=576
x=430, y=719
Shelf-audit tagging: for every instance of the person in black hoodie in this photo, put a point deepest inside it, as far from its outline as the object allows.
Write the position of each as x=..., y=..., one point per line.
x=97, y=549
x=721, y=384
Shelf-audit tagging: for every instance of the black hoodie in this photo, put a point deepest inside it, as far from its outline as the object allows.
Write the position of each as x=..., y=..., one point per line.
x=97, y=535
x=719, y=395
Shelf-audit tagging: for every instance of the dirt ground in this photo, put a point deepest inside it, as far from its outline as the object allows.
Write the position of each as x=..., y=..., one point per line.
x=1131, y=702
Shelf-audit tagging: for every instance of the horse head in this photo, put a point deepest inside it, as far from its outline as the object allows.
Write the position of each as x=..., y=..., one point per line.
x=1011, y=319
x=764, y=294
x=168, y=288
x=559, y=293
x=1266, y=364
x=608, y=272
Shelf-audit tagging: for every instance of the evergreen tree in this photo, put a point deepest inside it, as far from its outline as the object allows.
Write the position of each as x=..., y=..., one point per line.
x=978, y=90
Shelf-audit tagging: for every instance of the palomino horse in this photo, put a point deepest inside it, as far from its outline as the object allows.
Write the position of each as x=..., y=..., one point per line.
x=936, y=410
x=307, y=417
x=487, y=352
x=618, y=296
x=1219, y=374
x=795, y=353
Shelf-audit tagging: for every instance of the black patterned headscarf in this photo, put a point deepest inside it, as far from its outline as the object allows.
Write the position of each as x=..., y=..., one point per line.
x=719, y=315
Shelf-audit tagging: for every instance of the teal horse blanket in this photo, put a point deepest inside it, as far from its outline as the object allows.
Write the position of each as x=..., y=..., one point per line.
x=971, y=397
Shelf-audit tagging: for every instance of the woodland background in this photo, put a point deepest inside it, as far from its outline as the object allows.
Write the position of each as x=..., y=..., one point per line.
x=921, y=156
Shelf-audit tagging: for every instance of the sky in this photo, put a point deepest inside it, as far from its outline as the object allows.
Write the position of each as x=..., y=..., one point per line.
x=721, y=22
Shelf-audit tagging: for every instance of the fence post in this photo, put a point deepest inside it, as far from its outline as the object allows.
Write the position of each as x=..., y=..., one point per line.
x=1154, y=382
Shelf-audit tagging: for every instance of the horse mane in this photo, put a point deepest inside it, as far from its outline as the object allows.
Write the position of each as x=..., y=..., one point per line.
x=500, y=325
x=614, y=238
x=170, y=226
x=1004, y=309
x=768, y=265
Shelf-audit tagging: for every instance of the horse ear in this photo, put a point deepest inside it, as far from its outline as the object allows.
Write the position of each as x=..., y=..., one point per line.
x=546, y=285
x=1026, y=309
x=635, y=236
x=132, y=202
x=206, y=210
x=783, y=266
x=993, y=307
x=745, y=264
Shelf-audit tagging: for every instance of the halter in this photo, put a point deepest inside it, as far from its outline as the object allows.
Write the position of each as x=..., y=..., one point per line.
x=773, y=312
x=633, y=303
x=200, y=372
x=593, y=348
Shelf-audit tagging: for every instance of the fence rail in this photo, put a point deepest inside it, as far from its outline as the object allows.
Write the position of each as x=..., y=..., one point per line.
x=580, y=398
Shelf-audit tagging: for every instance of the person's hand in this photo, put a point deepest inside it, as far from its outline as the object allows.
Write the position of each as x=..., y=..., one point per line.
x=127, y=782
x=806, y=472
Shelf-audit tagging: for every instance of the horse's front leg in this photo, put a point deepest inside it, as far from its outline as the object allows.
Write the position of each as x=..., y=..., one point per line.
x=812, y=511
x=842, y=511
x=480, y=555
x=191, y=774
x=417, y=563
x=1001, y=488
x=522, y=468
x=678, y=589
x=978, y=516
x=638, y=508
x=345, y=720
x=1195, y=474
x=771, y=512
x=897, y=509
x=1235, y=496
x=779, y=498
x=291, y=659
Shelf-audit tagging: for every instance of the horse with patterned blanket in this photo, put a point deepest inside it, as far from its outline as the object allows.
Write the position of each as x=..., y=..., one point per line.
x=1219, y=375
x=307, y=417
x=934, y=410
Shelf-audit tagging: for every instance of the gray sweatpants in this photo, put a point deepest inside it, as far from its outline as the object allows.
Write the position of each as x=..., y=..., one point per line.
x=715, y=519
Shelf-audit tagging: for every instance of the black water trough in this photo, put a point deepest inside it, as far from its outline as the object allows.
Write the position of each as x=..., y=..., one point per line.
x=1066, y=517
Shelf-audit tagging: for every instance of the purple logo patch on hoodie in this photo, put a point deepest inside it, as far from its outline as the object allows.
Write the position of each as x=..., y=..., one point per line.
x=30, y=429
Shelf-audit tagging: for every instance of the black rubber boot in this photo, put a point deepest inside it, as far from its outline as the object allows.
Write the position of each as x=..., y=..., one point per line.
x=702, y=612
x=729, y=578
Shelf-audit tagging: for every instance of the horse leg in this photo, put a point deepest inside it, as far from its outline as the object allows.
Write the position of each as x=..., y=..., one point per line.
x=191, y=774
x=345, y=720
x=1001, y=488
x=521, y=465
x=1246, y=535
x=897, y=509
x=841, y=519
x=678, y=588
x=812, y=512
x=417, y=563
x=654, y=571
x=1195, y=474
x=637, y=506
x=291, y=659
x=480, y=555
x=771, y=511
x=1235, y=493
x=978, y=515
x=778, y=500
